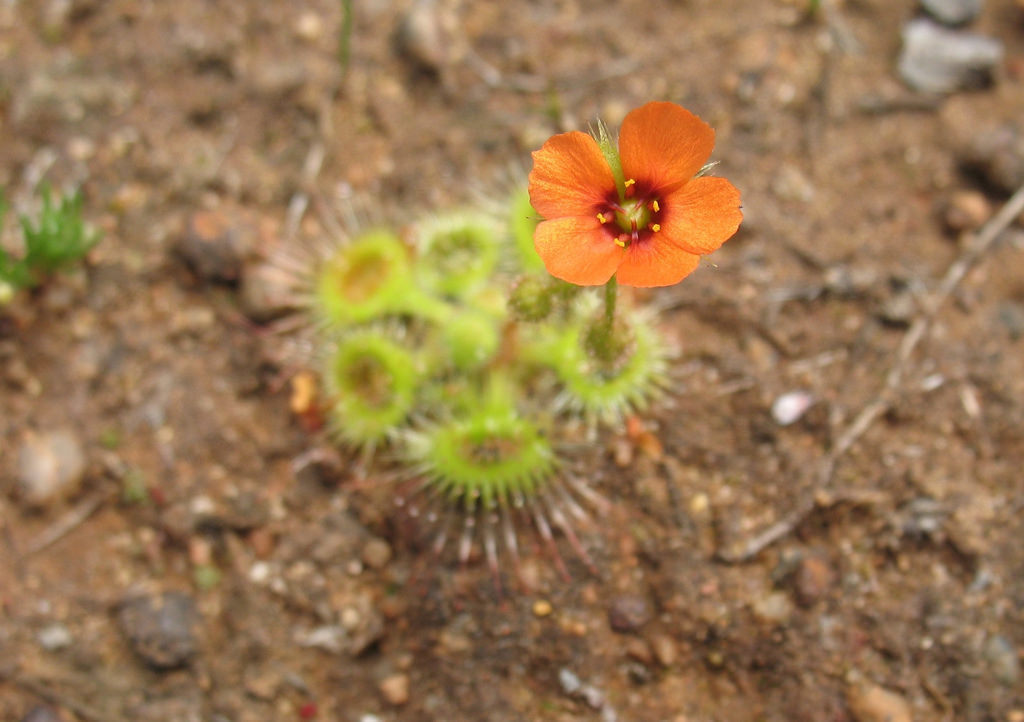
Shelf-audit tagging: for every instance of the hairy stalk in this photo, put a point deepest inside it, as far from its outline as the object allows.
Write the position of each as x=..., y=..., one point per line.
x=345, y=35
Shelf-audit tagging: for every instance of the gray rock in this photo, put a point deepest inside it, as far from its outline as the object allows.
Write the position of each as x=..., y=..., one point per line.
x=1002, y=660
x=953, y=12
x=161, y=628
x=51, y=465
x=939, y=60
x=570, y=682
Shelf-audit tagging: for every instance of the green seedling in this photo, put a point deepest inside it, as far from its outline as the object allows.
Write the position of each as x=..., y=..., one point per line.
x=55, y=241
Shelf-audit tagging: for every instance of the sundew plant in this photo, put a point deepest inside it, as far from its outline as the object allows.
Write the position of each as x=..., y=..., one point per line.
x=462, y=348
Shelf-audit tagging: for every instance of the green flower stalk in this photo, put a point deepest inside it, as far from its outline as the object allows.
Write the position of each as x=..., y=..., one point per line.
x=595, y=385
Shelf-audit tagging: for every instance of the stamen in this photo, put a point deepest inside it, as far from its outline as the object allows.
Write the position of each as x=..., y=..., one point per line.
x=655, y=227
x=654, y=206
x=602, y=218
x=621, y=240
x=631, y=181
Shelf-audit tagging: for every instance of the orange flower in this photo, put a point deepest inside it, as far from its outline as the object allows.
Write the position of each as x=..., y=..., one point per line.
x=655, y=230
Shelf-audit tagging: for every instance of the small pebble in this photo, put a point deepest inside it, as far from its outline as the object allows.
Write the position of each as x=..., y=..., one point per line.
x=330, y=638
x=425, y=36
x=573, y=687
x=899, y=309
x=790, y=406
x=664, y=648
x=773, y=608
x=54, y=637
x=935, y=59
x=395, y=689
x=570, y=682
x=267, y=292
x=259, y=573
x=952, y=12
x=161, y=628
x=363, y=624
x=1002, y=659
x=811, y=580
x=262, y=541
x=542, y=608
x=997, y=154
x=51, y=465
x=211, y=247
x=871, y=703
x=640, y=650
x=628, y=613
x=309, y=26
x=376, y=553
x=967, y=210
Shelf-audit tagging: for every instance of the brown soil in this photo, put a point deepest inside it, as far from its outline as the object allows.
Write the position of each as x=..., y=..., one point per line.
x=898, y=589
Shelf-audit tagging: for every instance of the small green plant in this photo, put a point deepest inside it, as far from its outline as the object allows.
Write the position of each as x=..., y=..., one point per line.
x=57, y=239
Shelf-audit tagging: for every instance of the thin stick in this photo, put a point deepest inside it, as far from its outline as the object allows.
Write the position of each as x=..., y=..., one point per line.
x=883, y=401
x=46, y=692
x=65, y=525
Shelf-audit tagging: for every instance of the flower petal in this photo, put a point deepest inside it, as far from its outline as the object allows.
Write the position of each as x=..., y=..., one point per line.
x=655, y=264
x=570, y=176
x=664, y=145
x=700, y=216
x=577, y=250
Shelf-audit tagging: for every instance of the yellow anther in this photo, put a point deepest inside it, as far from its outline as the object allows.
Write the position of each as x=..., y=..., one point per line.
x=630, y=182
x=620, y=243
x=655, y=207
x=602, y=218
x=655, y=227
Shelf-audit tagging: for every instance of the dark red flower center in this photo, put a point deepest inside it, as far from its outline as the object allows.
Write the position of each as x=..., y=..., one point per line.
x=632, y=218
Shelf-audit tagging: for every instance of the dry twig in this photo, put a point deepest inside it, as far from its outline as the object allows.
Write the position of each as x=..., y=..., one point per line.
x=883, y=401
x=65, y=525
x=46, y=691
